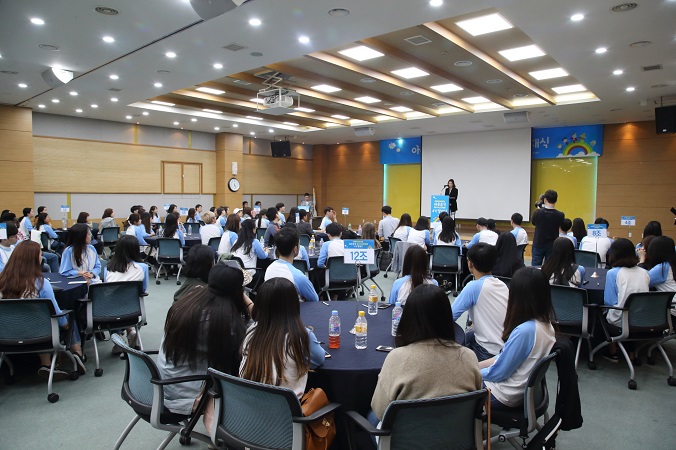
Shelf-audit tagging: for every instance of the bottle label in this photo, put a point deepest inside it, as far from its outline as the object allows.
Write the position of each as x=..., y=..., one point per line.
x=373, y=298
x=334, y=328
x=360, y=328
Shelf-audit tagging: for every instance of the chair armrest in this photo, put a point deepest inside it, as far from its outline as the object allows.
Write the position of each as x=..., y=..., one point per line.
x=150, y=352
x=178, y=380
x=611, y=307
x=64, y=312
x=145, y=294
x=84, y=300
x=321, y=412
x=365, y=424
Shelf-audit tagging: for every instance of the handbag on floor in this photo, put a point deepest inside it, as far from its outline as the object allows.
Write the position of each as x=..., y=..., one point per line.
x=319, y=434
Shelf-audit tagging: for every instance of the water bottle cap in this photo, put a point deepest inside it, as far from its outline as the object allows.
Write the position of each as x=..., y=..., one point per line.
x=373, y=286
x=361, y=313
x=397, y=304
x=334, y=312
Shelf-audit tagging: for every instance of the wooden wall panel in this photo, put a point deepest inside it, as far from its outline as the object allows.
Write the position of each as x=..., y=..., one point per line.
x=268, y=175
x=16, y=158
x=110, y=167
x=636, y=177
x=228, y=150
x=191, y=178
x=172, y=178
x=18, y=119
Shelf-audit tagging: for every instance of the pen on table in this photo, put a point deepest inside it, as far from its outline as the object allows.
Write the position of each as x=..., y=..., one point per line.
x=326, y=303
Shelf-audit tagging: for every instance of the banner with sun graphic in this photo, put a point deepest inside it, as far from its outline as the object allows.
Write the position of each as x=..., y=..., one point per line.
x=401, y=151
x=567, y=142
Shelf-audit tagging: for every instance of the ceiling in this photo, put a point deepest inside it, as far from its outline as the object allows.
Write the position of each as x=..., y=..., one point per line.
x=144, y=32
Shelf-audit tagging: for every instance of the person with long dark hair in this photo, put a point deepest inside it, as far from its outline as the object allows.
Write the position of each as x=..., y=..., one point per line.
x=561, y=268
x=508, y=260
x=22, y=278
x=528, y=336
x=43, y=223
x=80, y=257
x=83, y=217
x=232, y=227
x=278, y=349
x=108, y=219
x=448, y=235
x=191, y=218
x=137, y=229
x=452, y=192
x=198, y=264
x=247, y=248
x=404, y=228
x=171, y=229
x=427, y=362
x=652, y=228
x=414, y=273
x=369, y=232
x=660, y=264
x=146, y=223
x=579, y=230
x=420, y=234
x=154, y=216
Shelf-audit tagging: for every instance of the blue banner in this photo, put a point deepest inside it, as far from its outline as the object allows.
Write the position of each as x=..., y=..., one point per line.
x=567, y=142
x=401, y=151
x=439, y=204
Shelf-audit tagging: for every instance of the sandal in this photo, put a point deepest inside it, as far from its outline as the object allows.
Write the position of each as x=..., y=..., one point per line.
x=59, y=374
x=79, y=360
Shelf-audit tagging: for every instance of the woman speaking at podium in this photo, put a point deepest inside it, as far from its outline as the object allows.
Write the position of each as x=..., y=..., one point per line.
x=452, y=193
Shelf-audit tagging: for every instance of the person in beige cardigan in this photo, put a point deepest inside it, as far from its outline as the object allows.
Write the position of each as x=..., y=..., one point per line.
x=427, y=362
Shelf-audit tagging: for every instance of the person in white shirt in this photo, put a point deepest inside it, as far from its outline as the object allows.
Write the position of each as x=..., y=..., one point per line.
x=210, y=229
x=447, y=235
x=232, y=227
x=248, y=249
x=404, y=228
x=560, y=268
x=519, y=233
x=329, y=217
x=221, y=216
x=414, y=273
x=598, y=245
x=420, y=234
x=287, y=242
x=388, y=224
x=435, y=225
x=335, y=246
x=280, y=212
x=484, y=235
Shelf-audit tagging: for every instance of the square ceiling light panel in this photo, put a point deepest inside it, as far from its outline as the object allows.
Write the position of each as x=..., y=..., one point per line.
x=410, y=72
x=519, y=53
x=361, y=53
x=485, y=24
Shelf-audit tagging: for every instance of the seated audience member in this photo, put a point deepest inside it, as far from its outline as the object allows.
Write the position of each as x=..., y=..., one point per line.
x=42, y=209
x=519, y=233
x=171, y=229
x=205, y=328
x=291, y=217
x=246, y=213
x=369, y=232
x=436, y=225
x=404, y=228
x=329, y=217
x=288, y=247
x=388, y=223
x=172, y=208
x=485, y=299
x=221, y=216
x=262, y=221
x=427, y=362
x=447, y=235
x=660, y=264
x=146, y=223
x=247, y=248
x=273, y=227
x=239, y=212
x=641, y=251
x=304, y=226
x=509, y=258
x=108, y=219
x=25, y=226
x=598, y=245
x=80, y=257
x=528, y=336
x=335, y=246
x=154, y=216
x=278, y=349
x=7, y=245
x=564, y=231
x=44, y=225
x=490, y=224
x=232, y=226
x=560, y=268
x=198, y=263
x=137, y=229
x=420, y=234
x=191, y=218
x=414, y=272
x=210, y=229
x=83, y=217
x=302, y=253
x=280, y=212
x=579, y=230
x=22, y=278
x=483, y=234
x=652, y=228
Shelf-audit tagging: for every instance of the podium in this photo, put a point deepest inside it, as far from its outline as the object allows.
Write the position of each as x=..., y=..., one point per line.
x=438, y=204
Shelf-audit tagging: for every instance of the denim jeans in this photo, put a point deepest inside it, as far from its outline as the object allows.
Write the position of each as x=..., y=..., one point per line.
x=481, y=353
x=540, y=254
x=52, y=261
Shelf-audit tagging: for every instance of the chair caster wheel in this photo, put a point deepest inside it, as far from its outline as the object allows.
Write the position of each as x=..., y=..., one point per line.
x=382, y=299
x=632, y=385
x=184, y=440
x=74, y=376
x=53, y=398
x=455, y=293
x=671, y=381
x=636, y=362
x=10, y=380
x=385, y=276
x=591, y=365
x=157, y=281
x=178, y=283
x=650, y=360
x=98, y=372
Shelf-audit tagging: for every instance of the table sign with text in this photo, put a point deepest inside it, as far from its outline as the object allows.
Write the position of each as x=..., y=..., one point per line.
x=359, y=251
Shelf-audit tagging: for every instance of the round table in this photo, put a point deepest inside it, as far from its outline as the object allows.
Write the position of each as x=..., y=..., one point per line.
x=596, y=284
x=67, y=291
x=190, y=240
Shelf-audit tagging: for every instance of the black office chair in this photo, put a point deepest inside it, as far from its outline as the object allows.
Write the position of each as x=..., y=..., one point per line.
x=305, y=240
x=340, y=276
x=586, y=258
x=169, y=252
x=108, y=237
x=446, y=260
x=521, y=250
x=571, y=315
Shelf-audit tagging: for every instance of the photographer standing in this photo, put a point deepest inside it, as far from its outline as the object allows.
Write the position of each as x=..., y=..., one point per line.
x=547, y=221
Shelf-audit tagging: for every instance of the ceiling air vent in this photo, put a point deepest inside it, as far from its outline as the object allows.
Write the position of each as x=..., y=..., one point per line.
x=653, y=67
x=624, y=7
x=242, y=82
x=234, y=47
x=115, y=90
x=417, y=40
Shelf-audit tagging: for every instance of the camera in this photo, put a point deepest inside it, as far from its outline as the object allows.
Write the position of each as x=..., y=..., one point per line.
x=541, y=202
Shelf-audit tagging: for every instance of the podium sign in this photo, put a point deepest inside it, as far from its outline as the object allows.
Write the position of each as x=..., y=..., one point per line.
x=439, y=204
x=359, y=251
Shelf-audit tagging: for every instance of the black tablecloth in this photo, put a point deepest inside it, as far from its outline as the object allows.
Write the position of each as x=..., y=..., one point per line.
x=66, y=294
x=596, y=286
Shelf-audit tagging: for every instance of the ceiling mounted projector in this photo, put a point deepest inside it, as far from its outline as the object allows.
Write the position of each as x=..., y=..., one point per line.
x=364, y=131
x=56, y=77
x=516, y=117
x=208, y=9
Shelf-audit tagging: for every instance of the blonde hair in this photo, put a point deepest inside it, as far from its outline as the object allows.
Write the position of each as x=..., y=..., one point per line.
x=208, y=217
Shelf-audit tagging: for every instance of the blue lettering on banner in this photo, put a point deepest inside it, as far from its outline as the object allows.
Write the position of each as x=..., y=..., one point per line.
x=401, y=151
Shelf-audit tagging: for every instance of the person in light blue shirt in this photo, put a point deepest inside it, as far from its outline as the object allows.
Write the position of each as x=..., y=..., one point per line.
x=229, y=236
x=221, y=216
x=329, y=217
x=288, y=247
x=335, y=246
x=43, y=224
x=564, y=229
x=280, y=212
x=25, y=226
x=7, y=245
x=483, y=234
x=660, y=263
x=136, y=229
x=519, y=233
x=248, y=249
x=80, y=258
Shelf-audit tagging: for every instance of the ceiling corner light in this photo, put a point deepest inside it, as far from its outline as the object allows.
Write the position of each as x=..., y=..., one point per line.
x=176, y=123
x=108, y=39
x=304, y=40
x=577, y=17
x=485, y=24
x=94, y=105
x=210, y=90
x=22, y=85
x=367, y=99
x=618, y=72
x=548, y=73
x=234, y=125
x=252, y=133
x=630, y=89
x=519, y=53
x=157, y=85
x=37, y=21
x=409, y=72
x=401, y=109
x=41, y=106
x=601, y=50
x=326, y=88
x=214, y=111
x=361, y=53
x=170, y=55
x=255, y=22
x=114, y=77
x=569, y=89
x=340, y=117
x=55, y=100
x=271, y=130
x=145, y=113
x=158, y=102
x=218, y=66
x=217, y=128
x=113, y=99
x=73, y=93
x=127, y=117
x=436, y=2
x=193, y=120
x=339, y=12
x=475, y=100
x=78, y=110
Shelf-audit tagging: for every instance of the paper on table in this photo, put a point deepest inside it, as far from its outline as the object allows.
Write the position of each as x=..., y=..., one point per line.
x=77, y=282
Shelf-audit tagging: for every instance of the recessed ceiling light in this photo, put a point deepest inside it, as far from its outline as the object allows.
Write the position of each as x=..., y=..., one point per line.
x=114, y=77
x=519, y=53
x=193, y=120
x=22, y=85
x=618, y=72
x=108, y=39
x=176, y=123
x=293, y=124
x=325, y=88
x=210, y=90
x=475, y=100
x=270, y=130
x=307, y=110
x=252, y=133
x=367, y=99
x=340, y=116
x=78, y=110
x=145, y=113
x=484, y=24
x=113, y=99
x=218, y=66
x=127, y=117
x=630, y=89
x=410, y=72
x=361, y=53
x=157, y=102
x=73, y=93
x=577, y=17
x=255, y=22
x=157, y=85
x=37, y=21
x=436, y=2
x=254, y=117
x=217, y=128
x=170, y=55
x=462, y=63
x=401, y=109
x=548, y=73
x=304, y=39
x=568, y=89
x=450, y=87
x=256, y=54
x=215, y=111
x=234, y=125
x=41, y=106
x=94, y=105
x=257, y=100
x=601, y=50
x=55, y=100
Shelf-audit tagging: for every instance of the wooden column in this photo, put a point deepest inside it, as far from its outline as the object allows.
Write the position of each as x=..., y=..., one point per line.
x=16, y=158
x=228, y=150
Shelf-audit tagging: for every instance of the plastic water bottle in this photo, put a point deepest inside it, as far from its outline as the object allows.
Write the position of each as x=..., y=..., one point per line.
x=297, y=217
x=64, y=223
x=334, y=330
x=360, y=331
x=262, y=241
x=349, y=226
x=359, y=230
x=311, y=247
x=373, y=301
x=189, y=230
x=396, y=317
x=161, y=232
x=321, y=242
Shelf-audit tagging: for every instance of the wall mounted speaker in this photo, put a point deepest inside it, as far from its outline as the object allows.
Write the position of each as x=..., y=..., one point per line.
x=208, y=9
x=516, y=117
x=665, y=119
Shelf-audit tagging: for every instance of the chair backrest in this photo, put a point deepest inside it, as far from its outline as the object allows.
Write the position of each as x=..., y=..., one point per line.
x=137, y=390
x=300, y=264
x=214, y=242
x=536, y=396
x=193, y=227
x=393, y=241
x=339, y=272
x=260, y=232
x=305, y=240
x=116, y=301
x=520, y=250
x=425, y=423
x=649, y=311
x=445, y=256
x=110, y=234
x=568, y=303
x=231, y=263
x=44, y=241
x=587, y=259
x=95, y=225
x=168, y=248
x=25, y=321
x=374, y=269
x=253, y=414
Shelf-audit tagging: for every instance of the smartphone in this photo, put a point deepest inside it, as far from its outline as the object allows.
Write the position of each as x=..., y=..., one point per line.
x=327, y=354
x=384, y=348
